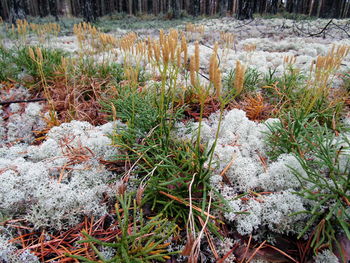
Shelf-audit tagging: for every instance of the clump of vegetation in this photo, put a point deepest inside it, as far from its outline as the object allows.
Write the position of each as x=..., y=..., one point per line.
x=139, y=240
x=18, y=64
x=324, y=158
x=251, y=80
x=326, y=185
x=151, y=88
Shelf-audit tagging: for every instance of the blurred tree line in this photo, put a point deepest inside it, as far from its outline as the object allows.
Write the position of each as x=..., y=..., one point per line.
x=242, y=9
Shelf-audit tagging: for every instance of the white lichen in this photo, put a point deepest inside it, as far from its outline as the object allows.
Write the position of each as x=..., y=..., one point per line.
x=326, y=256
x=241, y=152
x=10, y=254
x=56, y=183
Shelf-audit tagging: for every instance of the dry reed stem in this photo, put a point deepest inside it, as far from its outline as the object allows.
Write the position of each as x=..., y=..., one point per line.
x=190, y=225
x=289, y=60
x=227, y=40
x=210, y=239
x=178, y=57
x=217, y=82
x=246, y=251
x=65, y=242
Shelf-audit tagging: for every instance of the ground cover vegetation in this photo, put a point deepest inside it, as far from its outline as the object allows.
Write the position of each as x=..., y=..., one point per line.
x=173, y=145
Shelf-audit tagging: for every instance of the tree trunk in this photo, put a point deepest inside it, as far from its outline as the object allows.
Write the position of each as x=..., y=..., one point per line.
x=223, y=7
x=15, y=11
x=175, y=6
x=88, y=10
x=235, y=7
x=311, y=7
x=53, y=6
x=4, y=10
x=245, y=9
x=320, y=3
x=130, y=7
x=195, y=9
x=346, y=9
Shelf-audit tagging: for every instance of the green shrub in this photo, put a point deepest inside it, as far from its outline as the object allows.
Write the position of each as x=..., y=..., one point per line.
x=325, y=158
x=7, y=67
x=326, y=185
x=164, y=165
x=51, y=60
x=291, y=133
x=107, y=70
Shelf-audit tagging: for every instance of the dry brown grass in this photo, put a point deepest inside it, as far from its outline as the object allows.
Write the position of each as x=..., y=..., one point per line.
x=255, y=106
x=79, y=100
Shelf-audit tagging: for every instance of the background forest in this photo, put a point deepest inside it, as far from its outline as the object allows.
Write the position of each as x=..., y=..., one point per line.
x=242, y=9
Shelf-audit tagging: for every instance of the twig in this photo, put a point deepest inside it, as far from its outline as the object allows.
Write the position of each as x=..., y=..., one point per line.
x=343, y=29
x=21, y=101
x=330, y=21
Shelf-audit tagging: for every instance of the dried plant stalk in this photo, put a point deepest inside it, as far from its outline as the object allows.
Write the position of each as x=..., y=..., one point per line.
x=192, y=71
x=239, y=77
x=184, y=48
x=196, y=56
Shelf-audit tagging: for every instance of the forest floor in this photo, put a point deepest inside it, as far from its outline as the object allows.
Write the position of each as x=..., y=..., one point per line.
x=147, y=140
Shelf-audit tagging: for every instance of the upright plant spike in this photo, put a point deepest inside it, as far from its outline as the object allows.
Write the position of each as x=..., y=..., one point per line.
x=184, y=48
x=239, y=77
x=196, y=56
x=217, y=82
x=192, y=71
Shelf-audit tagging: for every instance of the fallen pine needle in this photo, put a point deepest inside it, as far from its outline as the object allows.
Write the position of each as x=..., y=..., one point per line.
x=186, y=204
x=223, y=173
x=256, y=251
x=283, y=253
x=246, y=251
